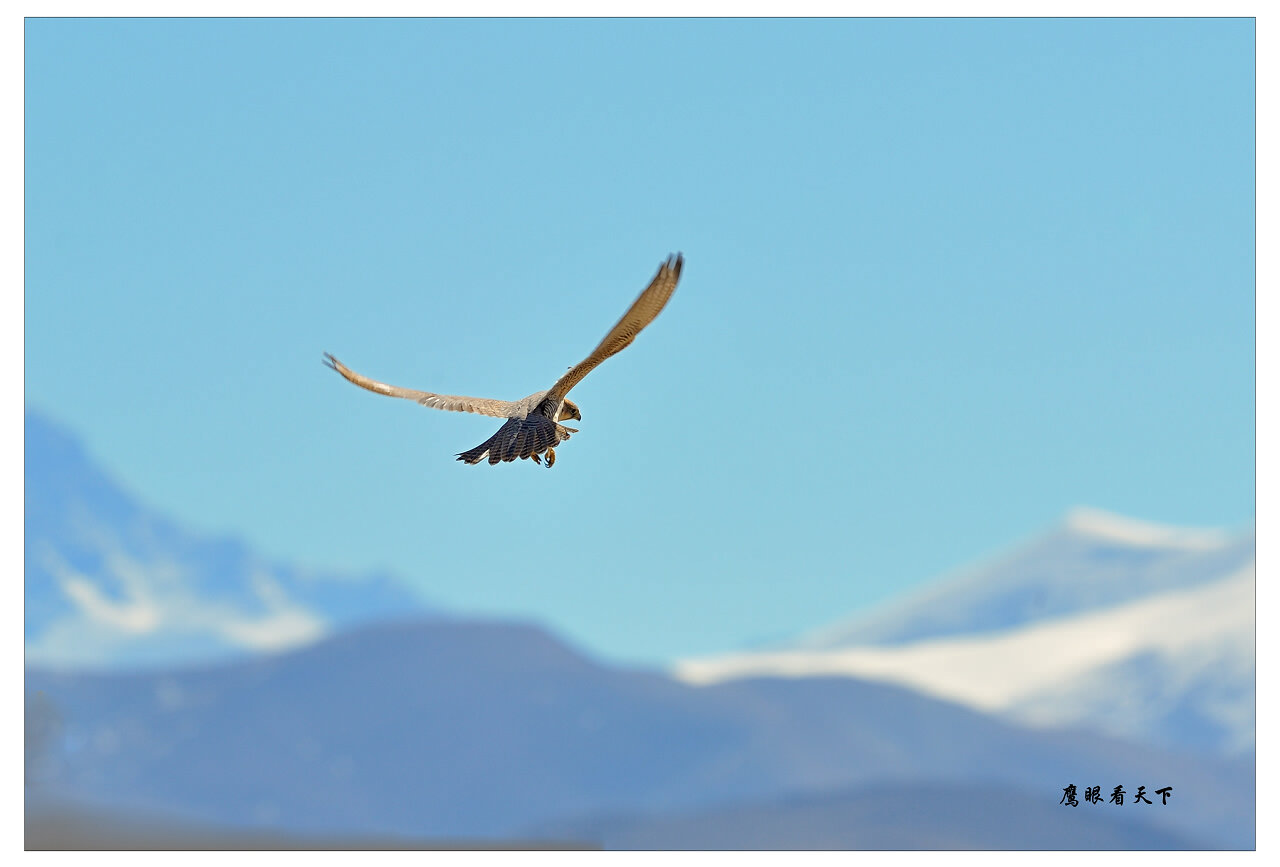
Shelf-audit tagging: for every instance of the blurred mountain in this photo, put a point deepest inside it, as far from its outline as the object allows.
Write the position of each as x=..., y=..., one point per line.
x=471, y=729
x=1104, y=623
x=111, y=583
x=72, y=826
x=1091, y=561
x=887, y=816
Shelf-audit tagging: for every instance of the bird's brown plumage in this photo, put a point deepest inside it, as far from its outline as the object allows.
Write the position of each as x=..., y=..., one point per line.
x=452, y=402
x=532, y=427
x=643, y=311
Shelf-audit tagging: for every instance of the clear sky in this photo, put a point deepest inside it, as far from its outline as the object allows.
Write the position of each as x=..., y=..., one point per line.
x=944, y=280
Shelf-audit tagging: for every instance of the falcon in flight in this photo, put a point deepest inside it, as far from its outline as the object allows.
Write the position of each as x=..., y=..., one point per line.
x=531, y=429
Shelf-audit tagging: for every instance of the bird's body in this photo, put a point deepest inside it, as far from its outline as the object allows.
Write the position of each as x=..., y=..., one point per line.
x=532, y=429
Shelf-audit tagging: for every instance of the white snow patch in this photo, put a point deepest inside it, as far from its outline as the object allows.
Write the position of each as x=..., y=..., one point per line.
x=157, y=602
x=137, y=615
x=993, y=672
x=1143, y=534
x=282, y=630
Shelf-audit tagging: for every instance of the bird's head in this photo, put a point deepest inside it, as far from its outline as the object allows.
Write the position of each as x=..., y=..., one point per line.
x=569, y=411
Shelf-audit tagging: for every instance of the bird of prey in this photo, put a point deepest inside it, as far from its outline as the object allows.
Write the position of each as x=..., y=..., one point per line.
x=532, y=429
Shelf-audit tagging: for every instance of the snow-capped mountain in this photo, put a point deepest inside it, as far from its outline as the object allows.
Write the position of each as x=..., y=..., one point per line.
x=111, y=583
x=1127, y=628
x=1092, y=560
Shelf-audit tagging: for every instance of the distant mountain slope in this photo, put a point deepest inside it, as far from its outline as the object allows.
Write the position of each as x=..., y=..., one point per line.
x=1171, y=666
x=66, y=826
x=454, y=729
x=1093, y=560
x=889, y=816
x=1176, y=669
x=108, y=582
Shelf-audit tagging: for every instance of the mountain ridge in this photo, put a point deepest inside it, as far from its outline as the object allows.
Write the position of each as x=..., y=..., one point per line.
x=1090, y=559
x=109, y=582
x=1125, y=627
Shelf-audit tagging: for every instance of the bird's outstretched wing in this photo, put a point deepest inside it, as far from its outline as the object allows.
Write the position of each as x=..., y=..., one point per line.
x=640, y=314
x=452, y=402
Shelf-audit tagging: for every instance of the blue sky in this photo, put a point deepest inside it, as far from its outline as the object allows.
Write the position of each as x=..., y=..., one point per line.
x=945, y=280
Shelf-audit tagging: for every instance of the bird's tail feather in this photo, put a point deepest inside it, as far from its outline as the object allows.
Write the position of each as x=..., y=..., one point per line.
x=518, y=438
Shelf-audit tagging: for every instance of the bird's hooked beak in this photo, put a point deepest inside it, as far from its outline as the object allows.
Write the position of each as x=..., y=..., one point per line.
x=569, y=411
